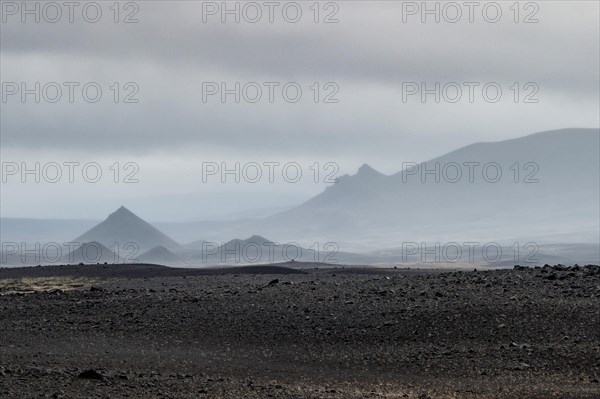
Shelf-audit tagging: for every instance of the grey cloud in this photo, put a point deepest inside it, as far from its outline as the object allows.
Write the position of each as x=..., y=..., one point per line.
x=370, y=43
x=369, y=53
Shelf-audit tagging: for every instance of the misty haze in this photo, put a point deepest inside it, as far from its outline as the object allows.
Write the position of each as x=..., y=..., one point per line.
x=311, y=199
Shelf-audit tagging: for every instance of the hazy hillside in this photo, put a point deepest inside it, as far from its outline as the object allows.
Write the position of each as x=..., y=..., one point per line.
x=161, y=256
x=556, y=191
x=90, y=253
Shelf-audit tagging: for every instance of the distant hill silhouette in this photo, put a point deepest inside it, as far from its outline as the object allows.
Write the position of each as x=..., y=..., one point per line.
x=161, y=256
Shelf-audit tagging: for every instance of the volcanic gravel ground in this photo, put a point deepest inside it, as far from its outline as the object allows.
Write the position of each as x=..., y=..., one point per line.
x=325, y=333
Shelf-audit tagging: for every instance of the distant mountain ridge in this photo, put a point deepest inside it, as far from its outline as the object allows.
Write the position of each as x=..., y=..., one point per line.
x=557, y=188
x=554, y=200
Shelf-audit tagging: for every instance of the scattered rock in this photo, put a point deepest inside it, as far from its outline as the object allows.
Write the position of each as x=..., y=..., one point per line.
x=522, y=367
x=91, y=374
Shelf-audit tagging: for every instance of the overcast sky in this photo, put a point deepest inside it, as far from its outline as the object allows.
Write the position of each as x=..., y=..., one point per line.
x=366, y=61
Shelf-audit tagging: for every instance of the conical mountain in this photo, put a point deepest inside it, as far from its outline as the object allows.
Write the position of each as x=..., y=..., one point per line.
x=124, y=227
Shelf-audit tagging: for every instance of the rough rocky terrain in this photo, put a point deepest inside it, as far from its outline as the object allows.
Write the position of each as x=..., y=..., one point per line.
x=90, y=332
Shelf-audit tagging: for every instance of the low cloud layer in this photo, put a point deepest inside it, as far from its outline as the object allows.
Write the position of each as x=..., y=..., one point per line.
x=364, y=62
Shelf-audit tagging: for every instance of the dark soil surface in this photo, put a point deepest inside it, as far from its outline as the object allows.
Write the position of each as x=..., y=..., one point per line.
x=144, y=331
x=127, y=270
